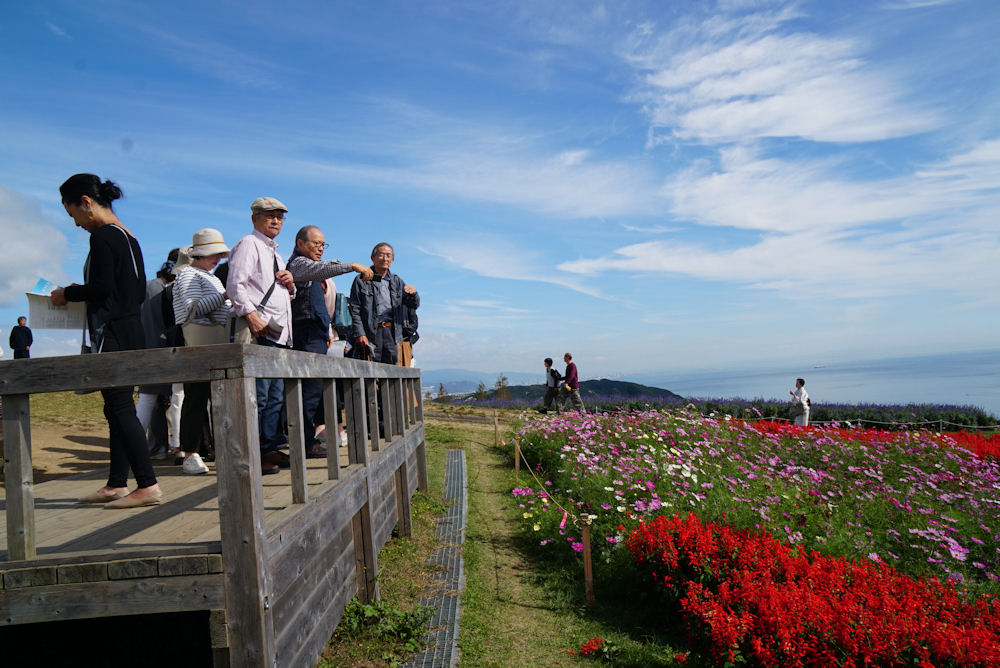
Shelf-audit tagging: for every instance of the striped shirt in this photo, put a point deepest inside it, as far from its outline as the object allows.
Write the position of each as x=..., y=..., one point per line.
x=199, y=297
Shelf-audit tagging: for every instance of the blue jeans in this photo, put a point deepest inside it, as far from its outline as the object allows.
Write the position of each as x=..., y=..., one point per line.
x=270, y=404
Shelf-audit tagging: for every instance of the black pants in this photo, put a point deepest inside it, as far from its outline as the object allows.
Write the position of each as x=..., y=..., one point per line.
x=385, y=345
x=311, y=338
x=194, y=410
x=21, y=354
x=127, y=438
x=551, y=393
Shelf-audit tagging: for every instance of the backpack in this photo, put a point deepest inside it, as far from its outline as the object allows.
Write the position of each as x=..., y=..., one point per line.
x=172, y=331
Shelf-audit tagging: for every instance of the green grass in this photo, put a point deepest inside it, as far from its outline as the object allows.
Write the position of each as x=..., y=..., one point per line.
x=517, y=613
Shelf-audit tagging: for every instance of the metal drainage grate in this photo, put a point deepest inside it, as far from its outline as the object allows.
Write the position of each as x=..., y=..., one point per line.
x=442, y=640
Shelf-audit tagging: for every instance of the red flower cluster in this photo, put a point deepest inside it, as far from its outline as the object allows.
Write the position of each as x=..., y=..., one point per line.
x=590, y=648
x=978, y=443
x=751, y=595
x=982, y=445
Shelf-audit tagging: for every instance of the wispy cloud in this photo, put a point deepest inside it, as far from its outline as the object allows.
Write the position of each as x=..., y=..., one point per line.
x=56, y=30
x=649, y=229
x=932, y=230
x=33, y=248
x=214, y=59
x=735, y=77
x=917, y=4
x=500, y=258
x=479, y=305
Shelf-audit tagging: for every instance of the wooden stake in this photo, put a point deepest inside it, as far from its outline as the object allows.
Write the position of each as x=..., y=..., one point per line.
x=496, y=430
x=517, y=460
x=588, y=566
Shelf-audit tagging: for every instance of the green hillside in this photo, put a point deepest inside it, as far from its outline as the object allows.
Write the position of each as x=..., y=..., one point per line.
x=601, y=387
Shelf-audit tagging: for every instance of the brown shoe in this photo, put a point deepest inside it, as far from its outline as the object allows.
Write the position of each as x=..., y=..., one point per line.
x=132, y=501
x=317, y=451
x=276, y=457
x=268, y=469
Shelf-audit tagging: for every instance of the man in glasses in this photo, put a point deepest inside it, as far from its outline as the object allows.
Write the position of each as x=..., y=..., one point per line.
x=261, y=289
x=379, y=308
x=311, y=318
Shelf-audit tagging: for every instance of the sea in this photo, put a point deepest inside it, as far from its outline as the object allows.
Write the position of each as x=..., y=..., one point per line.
x=961, y=379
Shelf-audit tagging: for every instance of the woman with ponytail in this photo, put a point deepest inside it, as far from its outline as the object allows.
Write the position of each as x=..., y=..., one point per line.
x=114, y=287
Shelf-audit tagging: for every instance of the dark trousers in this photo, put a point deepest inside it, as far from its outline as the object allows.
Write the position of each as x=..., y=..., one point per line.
x=126, y=436
x=21, y=353
x=310, y=337
x=550, y=395
x=194, y=410
x=270, y=407
x=385, y=345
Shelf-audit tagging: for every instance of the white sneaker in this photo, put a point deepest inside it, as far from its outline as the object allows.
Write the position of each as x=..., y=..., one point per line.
x=342, y=437
x=194, y=465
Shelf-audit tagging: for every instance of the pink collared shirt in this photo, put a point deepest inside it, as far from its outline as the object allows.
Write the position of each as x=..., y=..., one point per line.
x=251, y=273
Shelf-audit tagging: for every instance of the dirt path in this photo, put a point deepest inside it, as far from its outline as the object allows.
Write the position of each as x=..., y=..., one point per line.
x=58, y=450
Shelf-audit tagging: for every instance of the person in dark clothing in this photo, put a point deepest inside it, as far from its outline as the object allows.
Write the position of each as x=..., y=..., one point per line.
x=114, y=289
x=552, y=379
x=311, y=317
x=379, y=308
x=21, y=339
x=571, y=386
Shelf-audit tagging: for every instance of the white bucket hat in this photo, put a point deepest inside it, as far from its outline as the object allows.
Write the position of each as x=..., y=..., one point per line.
x=207, y=242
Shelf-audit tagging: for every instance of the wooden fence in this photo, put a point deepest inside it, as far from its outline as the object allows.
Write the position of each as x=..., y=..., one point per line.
x=286, y=575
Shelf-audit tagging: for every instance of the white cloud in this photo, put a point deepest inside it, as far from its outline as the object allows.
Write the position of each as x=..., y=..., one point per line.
x=917, y=4
x=473, y=305
x=33, y=248
x=735, y=78
x=499, y=258
x=211, y=58
x=56, y=30
x=821, y=236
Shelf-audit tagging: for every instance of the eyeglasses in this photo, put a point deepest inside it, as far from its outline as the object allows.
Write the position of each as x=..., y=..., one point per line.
x=279, y=215
x=383, y=254
x=319, y=244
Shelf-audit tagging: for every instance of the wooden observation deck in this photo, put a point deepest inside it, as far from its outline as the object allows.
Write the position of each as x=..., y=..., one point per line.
x=275, y=561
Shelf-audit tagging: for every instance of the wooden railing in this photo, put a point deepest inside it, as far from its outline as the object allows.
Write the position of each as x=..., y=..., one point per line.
x=286, y=579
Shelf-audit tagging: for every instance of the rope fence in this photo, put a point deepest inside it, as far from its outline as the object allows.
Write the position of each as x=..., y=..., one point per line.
x=581, y=522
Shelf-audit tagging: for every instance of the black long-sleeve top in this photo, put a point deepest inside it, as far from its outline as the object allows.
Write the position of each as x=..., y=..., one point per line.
x=20, y=337
x=114, y=288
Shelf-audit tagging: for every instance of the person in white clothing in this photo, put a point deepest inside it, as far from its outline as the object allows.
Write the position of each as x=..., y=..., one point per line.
x=800, y=402
x=202, y=309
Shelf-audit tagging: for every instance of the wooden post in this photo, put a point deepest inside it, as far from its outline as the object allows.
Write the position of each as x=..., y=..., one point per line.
x=372, y=408
x=18, y=477
x=496, y=430
x=388, y=411
x=357, y=422
x=399, y=415
x=517, y=459
x=296, y=439
x=330, y=416
x=419, y=411
x=241, y=522
x=404, y=516
x=365, y=556
x=588, y=567
x=422, y=484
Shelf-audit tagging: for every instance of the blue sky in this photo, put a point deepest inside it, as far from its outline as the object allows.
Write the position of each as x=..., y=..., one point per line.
x=651, y=185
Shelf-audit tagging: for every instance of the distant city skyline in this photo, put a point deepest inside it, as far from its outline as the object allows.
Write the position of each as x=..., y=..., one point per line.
x=650, y=186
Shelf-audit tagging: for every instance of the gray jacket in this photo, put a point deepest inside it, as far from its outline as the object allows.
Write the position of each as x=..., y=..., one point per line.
x=362, y=304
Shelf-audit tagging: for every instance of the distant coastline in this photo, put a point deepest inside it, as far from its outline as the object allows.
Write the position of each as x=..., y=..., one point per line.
x=962, y=379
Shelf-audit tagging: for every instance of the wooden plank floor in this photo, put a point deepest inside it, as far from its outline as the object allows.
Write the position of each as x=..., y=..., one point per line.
x=187, y=518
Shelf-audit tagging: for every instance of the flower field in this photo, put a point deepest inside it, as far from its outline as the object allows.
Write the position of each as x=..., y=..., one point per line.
x=922, y=506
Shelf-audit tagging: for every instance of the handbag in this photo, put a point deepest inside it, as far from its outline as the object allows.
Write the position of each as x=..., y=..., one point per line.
x=342, y=312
